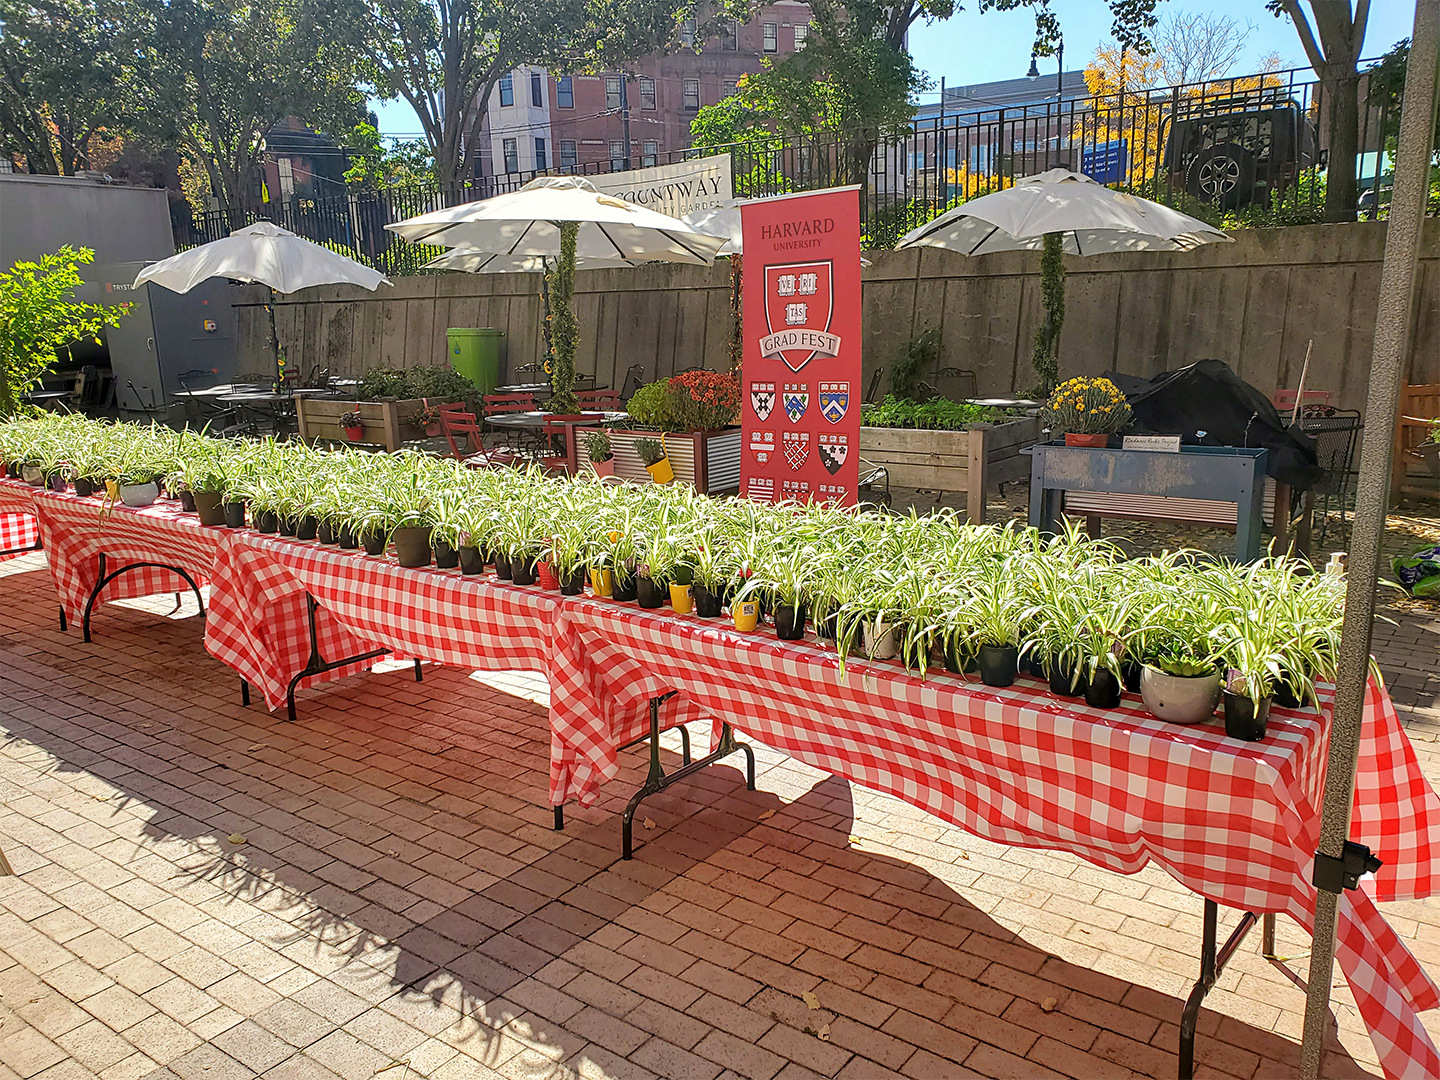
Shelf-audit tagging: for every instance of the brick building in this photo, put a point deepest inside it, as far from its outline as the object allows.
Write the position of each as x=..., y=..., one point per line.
x=579, y=121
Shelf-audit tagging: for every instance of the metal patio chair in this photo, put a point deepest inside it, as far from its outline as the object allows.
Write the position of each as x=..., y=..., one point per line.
x=1336, y=437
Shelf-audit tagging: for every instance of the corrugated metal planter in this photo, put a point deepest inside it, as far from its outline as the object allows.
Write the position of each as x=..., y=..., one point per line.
x=709, y=461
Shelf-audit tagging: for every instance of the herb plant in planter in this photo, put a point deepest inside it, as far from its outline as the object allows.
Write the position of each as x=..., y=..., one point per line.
x=657, y=462
x=353, y=426
x=598, y=450
x=1086, y=411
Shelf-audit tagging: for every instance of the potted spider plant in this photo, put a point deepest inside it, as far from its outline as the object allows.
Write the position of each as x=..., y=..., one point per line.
x=1251, y=662
x=1180, y=680
x=994, y=618
x=567, y=548
x=600, y=453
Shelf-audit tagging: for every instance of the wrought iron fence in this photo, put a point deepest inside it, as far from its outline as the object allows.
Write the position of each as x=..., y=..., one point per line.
x=1249, y=150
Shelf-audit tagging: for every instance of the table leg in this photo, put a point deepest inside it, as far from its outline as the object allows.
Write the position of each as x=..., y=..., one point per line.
x=1212, y=963
x=64, y=624
x=105, y=579
x=658, y=780
x=244, y=692
x=419, y=675
x=1267, y=936
x=317, y=665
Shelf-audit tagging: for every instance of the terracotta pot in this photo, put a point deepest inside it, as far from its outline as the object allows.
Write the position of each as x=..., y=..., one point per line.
x=1094, y=441
x=433, y=431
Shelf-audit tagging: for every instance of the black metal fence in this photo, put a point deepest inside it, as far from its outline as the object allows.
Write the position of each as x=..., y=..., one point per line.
x=1242, y=151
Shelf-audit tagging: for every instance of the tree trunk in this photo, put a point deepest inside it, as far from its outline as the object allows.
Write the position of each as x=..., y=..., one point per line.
x=1340, y=185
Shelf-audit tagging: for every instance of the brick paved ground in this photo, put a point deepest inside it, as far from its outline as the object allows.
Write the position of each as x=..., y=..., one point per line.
x=206, y=892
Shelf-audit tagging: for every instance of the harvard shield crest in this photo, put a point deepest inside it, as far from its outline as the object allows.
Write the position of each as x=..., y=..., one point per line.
x=797, y=447
x=834, y=400
x=762, y=445
x=762, y=399
x=761, y=489
x=796, y=399
x=833, y=451
x=799, y=301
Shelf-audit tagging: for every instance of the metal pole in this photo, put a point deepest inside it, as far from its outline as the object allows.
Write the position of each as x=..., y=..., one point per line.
x=625, y=116
x=1397, y=285
x=941, y=162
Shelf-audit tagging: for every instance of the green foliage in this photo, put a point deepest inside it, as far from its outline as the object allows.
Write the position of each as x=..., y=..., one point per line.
x=39, y=316
x=651, y=451
x=937, y=414
x=597, y=446
x=916, y=358
x=440, y=383
x=737, y=125
x=1045, y=357
x=1087, y=407
x=375, y=165
x=564, y=327
x=650, y=406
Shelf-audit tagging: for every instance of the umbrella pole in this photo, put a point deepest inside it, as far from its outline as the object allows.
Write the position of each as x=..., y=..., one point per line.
x=275, y=342
x=1397, y=291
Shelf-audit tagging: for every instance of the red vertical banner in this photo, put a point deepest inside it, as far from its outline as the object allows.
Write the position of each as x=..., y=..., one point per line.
x=801, y=292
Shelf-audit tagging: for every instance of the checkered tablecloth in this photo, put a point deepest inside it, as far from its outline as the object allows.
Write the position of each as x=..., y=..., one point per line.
x=76, y=532
x=18, y=527
x=258, y=626
x=1235, y=822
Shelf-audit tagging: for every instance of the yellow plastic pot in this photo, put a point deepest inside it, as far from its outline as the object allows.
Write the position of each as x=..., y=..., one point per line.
x=602, y=581
x=661, y=472
x=680, y=599
x=746, y=614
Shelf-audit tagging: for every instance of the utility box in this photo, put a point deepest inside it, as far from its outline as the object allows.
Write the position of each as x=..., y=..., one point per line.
x=168, y=338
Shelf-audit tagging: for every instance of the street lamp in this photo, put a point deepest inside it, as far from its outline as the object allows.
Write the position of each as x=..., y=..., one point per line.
x=1034, y=72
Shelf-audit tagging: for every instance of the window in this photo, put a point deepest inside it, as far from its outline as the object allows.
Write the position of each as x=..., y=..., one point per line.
x=565, y=93
x=567, y=153
x=612, y=91
x=690, y=95
x=770, y=33
x=512, y=155
x=507, y=90
x=537, y=91
x=649, y=151
x=801, y=33
x=647, y=92
x=917, y=161
x=541, y=162
x=687, y=33
x=617, y=155
x=732, y=87
x=729, y=36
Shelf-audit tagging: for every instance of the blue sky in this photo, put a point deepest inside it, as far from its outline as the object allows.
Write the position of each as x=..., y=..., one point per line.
x=972, y=48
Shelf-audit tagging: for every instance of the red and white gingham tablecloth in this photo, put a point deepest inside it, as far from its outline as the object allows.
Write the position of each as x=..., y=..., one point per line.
x=76, y=532
x=257, y=625
x=1235, y=822
x=18, y=527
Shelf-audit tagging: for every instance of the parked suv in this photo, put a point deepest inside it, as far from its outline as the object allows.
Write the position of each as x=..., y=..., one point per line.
x=1234, y=151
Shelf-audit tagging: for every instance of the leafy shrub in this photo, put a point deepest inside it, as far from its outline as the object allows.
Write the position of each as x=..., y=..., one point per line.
x=442, y=383
x=937, y=414
x=597, y=446
x=704, y=400
x=651, y=407
x=918, y=356
x=650, y=450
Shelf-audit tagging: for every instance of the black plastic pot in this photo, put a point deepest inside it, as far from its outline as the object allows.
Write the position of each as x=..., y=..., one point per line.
x=522, y=569
x=1060, y=681
x=57, y=483
x=447, y=557
x=234, y=514
x=1131, y=670
x=471, y=561
x=1243, y=720
x=1033, y=666
x=707, y=604
x=289, y=526
x=12, y=470
x=999, y=664
x=307, y=528
x=626, y=591
x=650, y=592
x=790, y=622
x=374, y=543
x=1285, y=696
x=187, y=501
x=84, y=487
x=828, y=627
x=573, y=583
x=954, y=662
x=1102, y=690
x=502, y=566
x=412, y=546
x=326, y=533
x=264, y=521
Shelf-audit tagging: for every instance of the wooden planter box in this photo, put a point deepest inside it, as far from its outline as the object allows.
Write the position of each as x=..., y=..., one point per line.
x=319, y=418
x=709, y=461
x=972, y=461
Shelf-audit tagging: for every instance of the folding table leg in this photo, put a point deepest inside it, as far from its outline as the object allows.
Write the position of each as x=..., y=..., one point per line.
x=64, y=625
x=1267, y=936
x=105, y=579
x=559, y=818
x=419, y=675
x=1212, y=963
x=658, y=781
x=317, y=665
x=244, y=692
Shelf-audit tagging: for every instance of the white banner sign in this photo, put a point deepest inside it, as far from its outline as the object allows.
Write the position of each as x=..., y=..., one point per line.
x=676, y=190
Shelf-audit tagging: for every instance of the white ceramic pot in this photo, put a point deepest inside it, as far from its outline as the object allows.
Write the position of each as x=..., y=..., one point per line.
x=1179, y=699
x=32, y=475
x=879, y=640
x=139, y=494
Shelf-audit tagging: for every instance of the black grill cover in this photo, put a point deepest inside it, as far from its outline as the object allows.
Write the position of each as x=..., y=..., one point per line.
x=1207, y=397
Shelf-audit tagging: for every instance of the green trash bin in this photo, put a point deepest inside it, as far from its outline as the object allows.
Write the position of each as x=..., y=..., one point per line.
x=475, y=352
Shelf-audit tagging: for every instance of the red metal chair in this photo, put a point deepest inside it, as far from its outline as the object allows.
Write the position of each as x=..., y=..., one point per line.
x=550, y=458
x=459, y=424
x=599, y=400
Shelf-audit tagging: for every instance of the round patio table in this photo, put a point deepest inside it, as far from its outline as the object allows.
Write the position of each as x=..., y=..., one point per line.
x=1005, y=402
x=537, y=420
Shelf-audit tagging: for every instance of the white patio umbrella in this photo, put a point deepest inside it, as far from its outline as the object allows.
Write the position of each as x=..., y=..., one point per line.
x=1093, y=220
x=471, y=260
x=264, y=253
x=527, y=222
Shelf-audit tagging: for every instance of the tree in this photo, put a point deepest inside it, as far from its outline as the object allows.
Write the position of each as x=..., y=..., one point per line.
x=39, y=316
x=372, y=164
x=1197, y=46
x=1333, y=48
x=223, y=72
x=63, y=78
x=739, y=125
